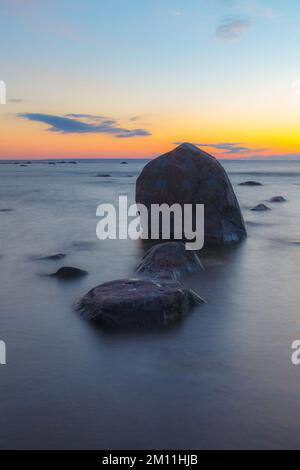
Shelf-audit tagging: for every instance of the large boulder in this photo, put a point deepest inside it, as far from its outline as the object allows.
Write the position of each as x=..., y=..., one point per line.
x=169, y=261
x=133, y=303
x=188, y=175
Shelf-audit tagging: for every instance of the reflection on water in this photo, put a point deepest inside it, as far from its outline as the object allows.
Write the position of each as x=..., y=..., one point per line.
x=223, y=378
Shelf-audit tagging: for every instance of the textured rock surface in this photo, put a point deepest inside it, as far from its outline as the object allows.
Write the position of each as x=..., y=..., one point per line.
x=132, y=303
x=188, y=175
x=170, y=261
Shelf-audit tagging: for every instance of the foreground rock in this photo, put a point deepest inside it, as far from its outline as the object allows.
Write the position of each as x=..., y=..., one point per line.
x=169, y=261
x=278, y=199
x=132, y=303
x=68, y=272
x=188, y=175
x=261, y=208
x=250, y=183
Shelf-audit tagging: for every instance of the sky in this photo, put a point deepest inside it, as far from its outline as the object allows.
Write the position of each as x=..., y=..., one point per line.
x=133, y=78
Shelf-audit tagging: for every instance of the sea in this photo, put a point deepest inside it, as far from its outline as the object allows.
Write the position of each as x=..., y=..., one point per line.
x=223, y=378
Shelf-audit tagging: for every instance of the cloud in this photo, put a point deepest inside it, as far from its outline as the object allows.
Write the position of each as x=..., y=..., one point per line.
x=178, y=13
x=232, y=29
x=228, y=147
x=71, y=124
x=15, y=100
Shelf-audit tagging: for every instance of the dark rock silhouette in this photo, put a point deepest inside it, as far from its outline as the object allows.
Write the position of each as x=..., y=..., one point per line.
x=6, y=210
x=169, y=261
x=188, y=175
x=132, y=303
x=278, y=199
x=250, y=183
x=68, y=272
x=103, y=176
x=261, y=208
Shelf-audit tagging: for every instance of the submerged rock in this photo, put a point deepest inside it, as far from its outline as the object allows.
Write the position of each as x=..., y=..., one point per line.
x=68, y=272
x=132, y=303
x=261, y=208
x=188, y=175
x=169, y=261
x=278, y=199
x=54, y=256
x=250, y=183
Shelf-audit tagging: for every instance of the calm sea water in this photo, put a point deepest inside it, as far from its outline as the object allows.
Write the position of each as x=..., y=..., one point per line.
x=222, y=379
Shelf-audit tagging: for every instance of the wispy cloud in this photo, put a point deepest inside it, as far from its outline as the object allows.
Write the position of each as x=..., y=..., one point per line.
x=15, y=100
x=178, y=13
x=84, y=124
x=232, y=29
x=228, y=147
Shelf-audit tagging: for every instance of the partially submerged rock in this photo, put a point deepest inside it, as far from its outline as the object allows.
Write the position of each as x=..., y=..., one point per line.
x=68, y=272
x=188, y=175
x=133, y=303
x=170, y=261
x=250, y=183
x=103, y=175
x=261, y=208
x=54, y=257
x=278, y=199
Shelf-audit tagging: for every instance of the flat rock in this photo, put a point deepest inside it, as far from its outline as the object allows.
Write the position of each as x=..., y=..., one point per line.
x=169, y=261
x=133, y=303
x=278, y=199
x=54, y=257
x=68, y=272
x=261, y=208
x=250, y=183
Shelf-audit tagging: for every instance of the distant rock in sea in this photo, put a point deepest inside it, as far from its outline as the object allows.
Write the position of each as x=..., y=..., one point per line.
x=278, y=199
x=103, y=175
x=51, y=257
x=188, y=175
x=169, y=261
x=261, y=208
x=250, y=183
x=68, y=272
x=6, y=210
x=132, y=303
x=124, y=163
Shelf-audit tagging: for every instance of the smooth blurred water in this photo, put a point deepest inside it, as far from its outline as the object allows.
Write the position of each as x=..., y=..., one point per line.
x=222, y=379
